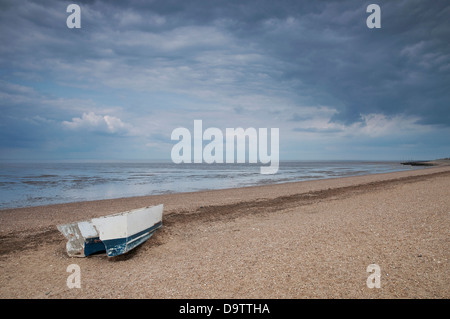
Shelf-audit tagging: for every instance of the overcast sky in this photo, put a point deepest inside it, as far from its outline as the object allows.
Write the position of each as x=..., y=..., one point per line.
x=117, y=87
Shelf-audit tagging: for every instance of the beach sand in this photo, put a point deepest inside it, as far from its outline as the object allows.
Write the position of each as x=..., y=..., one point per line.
x=310, y=239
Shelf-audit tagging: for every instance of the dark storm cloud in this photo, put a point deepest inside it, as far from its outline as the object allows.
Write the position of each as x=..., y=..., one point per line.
x=326, y=53
x=312, y=64
x=331, y=57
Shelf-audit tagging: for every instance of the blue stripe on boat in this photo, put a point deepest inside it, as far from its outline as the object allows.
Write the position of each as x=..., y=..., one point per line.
x=93, y=245
x=115, y=247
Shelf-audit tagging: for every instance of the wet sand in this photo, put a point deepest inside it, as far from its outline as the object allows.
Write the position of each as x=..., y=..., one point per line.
x=310, y=239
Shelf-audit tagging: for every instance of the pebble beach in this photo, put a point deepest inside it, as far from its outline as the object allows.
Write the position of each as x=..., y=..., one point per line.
x=312, y=239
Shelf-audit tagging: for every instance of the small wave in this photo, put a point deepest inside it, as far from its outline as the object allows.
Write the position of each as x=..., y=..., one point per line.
x=40, y=183
x=41, y=176
x=143, y=174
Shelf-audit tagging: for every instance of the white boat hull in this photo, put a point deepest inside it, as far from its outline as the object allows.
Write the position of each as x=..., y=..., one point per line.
x=116, y=234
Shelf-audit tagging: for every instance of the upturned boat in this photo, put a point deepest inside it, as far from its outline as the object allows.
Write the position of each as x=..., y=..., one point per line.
x=116, y=234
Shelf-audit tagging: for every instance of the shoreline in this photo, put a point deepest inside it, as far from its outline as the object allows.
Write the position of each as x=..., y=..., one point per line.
x=56, y=185
x=235, y=194
x=217, y=235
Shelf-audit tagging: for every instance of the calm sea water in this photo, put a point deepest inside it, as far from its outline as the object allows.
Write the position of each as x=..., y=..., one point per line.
x=33, y=184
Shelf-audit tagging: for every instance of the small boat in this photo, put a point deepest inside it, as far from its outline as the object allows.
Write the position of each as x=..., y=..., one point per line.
x=116, y=234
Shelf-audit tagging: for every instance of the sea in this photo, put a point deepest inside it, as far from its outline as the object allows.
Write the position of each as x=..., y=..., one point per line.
x=35, y=184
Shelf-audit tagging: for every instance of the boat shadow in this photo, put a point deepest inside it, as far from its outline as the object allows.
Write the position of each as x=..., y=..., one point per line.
x=124, y=257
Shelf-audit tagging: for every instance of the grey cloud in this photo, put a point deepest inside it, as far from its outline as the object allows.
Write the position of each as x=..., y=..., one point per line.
x=317, y=130
x=321, y=53
x=299, y=118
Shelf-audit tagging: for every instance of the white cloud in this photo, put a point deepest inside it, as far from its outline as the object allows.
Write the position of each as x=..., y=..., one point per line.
x=372, y=125
x=376, y=125
x=98, y=123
